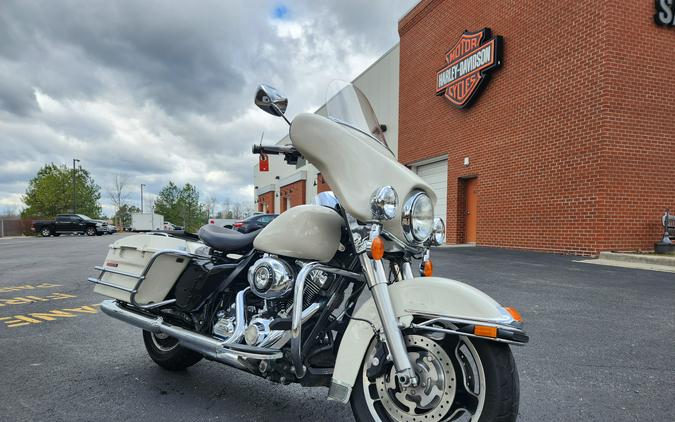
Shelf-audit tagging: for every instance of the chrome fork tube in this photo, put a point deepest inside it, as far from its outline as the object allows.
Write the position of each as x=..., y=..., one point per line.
x=377, y=282
x=407, y=271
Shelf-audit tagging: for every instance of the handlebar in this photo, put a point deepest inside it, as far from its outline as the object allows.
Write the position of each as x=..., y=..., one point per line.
x=291, y=155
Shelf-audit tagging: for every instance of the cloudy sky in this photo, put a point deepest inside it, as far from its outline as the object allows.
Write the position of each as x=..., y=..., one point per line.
x=163, y=90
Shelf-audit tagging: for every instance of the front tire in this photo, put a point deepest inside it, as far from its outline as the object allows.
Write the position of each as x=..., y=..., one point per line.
x=167, y=353
x=461, y=378
x=46, y=232
x=90, y=231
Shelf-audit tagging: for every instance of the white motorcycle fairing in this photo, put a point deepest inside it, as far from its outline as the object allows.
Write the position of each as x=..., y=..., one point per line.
x=428, y=296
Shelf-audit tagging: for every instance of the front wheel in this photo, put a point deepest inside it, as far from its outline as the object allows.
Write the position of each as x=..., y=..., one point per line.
x=167, y=353
x=46, y=232
x=460, y=379
x=90, y=231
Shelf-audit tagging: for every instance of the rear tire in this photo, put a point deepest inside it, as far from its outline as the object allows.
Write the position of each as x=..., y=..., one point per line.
x=167, y=353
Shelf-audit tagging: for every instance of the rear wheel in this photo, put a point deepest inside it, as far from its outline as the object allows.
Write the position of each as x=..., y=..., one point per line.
x=167, y=353
x=460, y=379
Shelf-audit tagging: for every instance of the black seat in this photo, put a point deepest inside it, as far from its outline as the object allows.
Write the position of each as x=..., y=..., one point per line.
x=226, y=240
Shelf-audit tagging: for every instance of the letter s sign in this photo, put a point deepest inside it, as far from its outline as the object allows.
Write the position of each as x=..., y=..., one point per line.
x=664, y=12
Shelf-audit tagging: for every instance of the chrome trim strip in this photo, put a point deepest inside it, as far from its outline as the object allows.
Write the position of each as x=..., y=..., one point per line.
x=490, y=323
x=339, y=392
x=114, y=271
x=459, y=333
x=105, y=283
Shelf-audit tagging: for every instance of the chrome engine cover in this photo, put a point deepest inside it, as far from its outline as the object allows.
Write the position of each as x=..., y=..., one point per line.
x=270, y=278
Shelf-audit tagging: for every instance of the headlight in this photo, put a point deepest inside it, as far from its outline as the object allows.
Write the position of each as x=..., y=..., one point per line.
x=439, y=231
x=418, y=217
x=99, y=224
x=383, y=203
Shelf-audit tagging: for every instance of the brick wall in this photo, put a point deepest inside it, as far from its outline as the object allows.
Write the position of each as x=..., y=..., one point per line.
x=266, y=202
x=638, y=168
x=565, y=137
x=295, y=192
x=321, y=186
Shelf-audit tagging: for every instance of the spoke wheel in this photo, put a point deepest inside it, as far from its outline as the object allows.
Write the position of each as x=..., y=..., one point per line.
x=163, y=342
x=167, y=353
x=451, y=383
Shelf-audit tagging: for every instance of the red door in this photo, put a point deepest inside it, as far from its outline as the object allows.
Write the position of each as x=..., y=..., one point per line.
x=471, y=207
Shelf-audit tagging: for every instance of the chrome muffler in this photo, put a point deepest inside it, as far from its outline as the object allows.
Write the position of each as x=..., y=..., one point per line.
x=209, y=347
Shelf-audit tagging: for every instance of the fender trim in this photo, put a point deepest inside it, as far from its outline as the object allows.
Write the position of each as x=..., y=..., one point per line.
x=434, y=297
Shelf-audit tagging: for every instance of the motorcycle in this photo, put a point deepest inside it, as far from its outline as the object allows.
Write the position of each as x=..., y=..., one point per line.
x=326, y=294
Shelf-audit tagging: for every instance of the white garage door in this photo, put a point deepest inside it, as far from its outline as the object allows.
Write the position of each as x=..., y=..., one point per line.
x=436, y=175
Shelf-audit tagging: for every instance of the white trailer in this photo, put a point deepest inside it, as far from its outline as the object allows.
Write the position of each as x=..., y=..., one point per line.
x=145, y=222
x=223, y=222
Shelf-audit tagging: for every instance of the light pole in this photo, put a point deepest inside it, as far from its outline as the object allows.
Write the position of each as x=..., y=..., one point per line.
x=142, y=197
x=75, y=160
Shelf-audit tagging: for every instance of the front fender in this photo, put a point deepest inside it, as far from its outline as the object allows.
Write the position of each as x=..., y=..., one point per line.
x=428, y=295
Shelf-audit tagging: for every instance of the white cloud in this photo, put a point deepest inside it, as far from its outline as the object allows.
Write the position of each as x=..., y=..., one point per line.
x=163, y=91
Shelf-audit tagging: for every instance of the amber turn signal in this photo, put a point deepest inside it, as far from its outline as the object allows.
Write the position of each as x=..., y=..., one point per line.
x=483, y=331
x=514, y=313
x=377, y=248
x=428, y=268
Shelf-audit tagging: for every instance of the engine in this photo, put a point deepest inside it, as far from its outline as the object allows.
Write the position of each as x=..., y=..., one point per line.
x=271, y=281
x=270, y=278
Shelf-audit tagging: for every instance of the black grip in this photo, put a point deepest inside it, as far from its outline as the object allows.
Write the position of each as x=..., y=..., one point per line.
x=291, y=155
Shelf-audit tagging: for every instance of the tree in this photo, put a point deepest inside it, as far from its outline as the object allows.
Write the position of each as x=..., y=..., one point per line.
x=211, y=206
x=181, y=206
x=123, y=215
x=118, y=193
x=50, y=193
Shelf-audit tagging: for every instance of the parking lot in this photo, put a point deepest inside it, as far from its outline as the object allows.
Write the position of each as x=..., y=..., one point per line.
x=602, y=344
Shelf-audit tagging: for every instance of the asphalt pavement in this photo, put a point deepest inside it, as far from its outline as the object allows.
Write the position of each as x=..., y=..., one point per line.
x=601, y=349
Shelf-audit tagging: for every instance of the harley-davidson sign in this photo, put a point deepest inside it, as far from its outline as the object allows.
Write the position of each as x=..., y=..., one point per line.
x=468, y=64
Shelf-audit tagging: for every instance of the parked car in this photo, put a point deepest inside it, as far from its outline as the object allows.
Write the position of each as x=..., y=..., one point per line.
x=169, y=226
x=112, y=229
x=69, y=223
x=106, y=227
x=254, y=222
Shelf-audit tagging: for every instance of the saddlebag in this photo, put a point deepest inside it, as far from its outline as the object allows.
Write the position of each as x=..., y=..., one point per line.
x=148, y=264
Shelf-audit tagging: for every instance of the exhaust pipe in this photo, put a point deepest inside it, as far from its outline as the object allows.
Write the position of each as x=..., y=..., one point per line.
x=209, y=347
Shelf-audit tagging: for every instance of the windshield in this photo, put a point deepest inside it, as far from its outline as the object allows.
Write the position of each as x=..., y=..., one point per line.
x=82, y=216
x=349, y=106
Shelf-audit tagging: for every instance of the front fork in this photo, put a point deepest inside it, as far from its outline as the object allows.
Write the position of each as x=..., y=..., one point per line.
x=377, y=283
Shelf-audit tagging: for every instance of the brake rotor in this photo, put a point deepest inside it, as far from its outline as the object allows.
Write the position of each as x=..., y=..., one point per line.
x=432, y=398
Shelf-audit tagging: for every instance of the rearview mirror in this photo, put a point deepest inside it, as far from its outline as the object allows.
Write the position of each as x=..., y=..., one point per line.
x=271, y=100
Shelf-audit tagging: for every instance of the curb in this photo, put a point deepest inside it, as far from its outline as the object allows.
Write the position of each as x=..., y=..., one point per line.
x=667, y=261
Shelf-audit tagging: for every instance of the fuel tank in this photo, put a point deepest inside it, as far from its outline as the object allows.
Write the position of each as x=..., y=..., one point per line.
x=309, y=232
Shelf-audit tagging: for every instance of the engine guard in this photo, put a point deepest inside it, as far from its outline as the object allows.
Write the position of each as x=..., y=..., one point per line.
x=443, y=302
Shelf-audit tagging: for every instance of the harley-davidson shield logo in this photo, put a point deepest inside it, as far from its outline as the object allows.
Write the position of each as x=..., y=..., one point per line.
x=468, y=65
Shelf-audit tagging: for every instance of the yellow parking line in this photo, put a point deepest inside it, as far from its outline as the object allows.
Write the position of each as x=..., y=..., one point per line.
x=53, y=315
x=28, y=287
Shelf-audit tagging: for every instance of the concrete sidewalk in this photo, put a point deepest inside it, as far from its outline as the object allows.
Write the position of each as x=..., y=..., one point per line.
x=651, y=262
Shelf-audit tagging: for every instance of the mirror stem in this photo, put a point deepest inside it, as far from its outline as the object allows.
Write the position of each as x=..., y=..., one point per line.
x=281, y=113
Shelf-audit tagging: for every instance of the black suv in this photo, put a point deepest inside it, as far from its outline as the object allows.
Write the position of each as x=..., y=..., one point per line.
x=254, y=222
